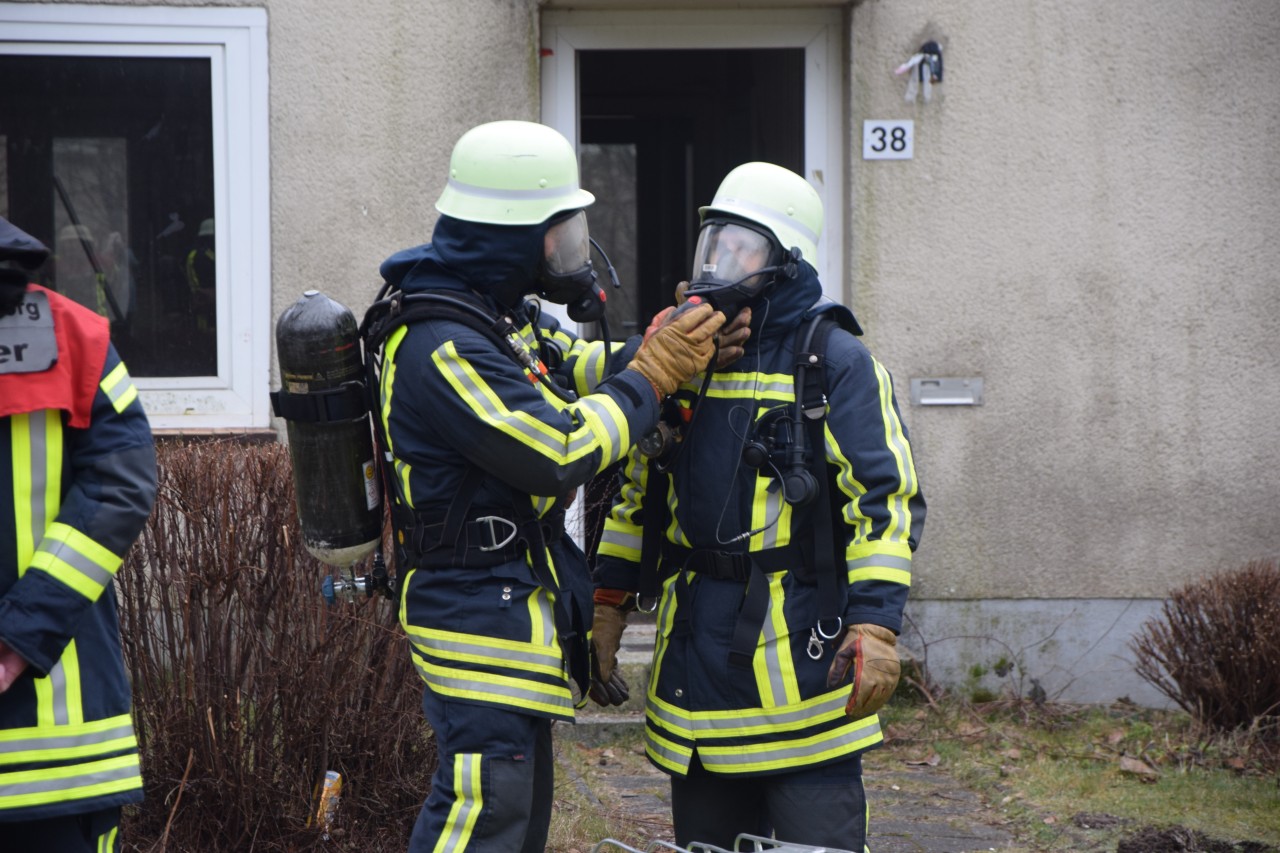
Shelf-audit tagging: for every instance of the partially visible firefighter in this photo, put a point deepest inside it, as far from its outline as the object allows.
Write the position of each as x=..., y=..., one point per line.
x=76, y=486
x=777, y=526
x=493, y=414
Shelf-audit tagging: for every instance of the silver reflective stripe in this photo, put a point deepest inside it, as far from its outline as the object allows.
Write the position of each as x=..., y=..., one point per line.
x=39, y=438
x=577, y=442
x=468, y=796
x=769, y=214
x=548, y=619
x=755, y=385
x=506, y=694
x=784, y=754
x=67, y=782
x=58, y=687
x=773, y=507
x=67, y=555
x=616, y=450
x=455, y=648
x=880, y=561
x=613, y=536
x=60, y=740
x=772, y=649
x=512, y=195
x=674, y=720
x=793, y=717
x=897, y=441
x=680, y=758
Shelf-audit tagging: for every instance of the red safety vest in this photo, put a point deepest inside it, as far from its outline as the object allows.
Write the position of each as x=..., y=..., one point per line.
x=83, y=338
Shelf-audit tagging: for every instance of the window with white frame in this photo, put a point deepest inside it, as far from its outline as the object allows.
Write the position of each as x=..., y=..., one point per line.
x=133, y=142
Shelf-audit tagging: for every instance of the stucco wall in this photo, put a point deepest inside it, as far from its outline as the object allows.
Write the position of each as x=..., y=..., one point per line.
x=365, y=107
x=1089, y=224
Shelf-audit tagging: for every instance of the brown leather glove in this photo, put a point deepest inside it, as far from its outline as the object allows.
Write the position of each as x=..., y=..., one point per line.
x=608, y=687
x=676, y=346
x=732, y=335
x=869, y=650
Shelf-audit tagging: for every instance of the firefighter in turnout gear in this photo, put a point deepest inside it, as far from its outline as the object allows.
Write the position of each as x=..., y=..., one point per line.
x=493, y=414
x=778, y=531
x=76, y=486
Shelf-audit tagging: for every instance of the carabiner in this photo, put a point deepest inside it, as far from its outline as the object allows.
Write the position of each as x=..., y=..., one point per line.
x=814, y=648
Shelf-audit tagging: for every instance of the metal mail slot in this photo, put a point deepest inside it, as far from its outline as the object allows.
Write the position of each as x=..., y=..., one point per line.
x=949, y=391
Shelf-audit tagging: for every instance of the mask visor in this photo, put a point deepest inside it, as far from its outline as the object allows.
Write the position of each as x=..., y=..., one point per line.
x=728, y=252
x=567, y=245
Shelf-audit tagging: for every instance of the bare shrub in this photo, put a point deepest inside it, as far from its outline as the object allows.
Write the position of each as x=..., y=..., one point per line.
x=247, y=687
x=1215, y=650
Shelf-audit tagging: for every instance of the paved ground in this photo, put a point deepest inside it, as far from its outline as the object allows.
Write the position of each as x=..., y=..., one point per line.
x=914, y=809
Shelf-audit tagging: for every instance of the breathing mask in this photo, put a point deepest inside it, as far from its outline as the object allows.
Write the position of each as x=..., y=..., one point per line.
x=736, y=262
x=566, y=276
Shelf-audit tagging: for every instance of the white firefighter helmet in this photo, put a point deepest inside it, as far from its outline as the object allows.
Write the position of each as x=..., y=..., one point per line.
x=512, y=173
x=775, y=198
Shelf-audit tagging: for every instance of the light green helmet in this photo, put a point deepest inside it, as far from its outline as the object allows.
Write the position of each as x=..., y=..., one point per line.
x=512, y=173
x=775, y=198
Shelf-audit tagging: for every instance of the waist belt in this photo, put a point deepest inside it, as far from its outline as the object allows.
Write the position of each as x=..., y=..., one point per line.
x=743, y=567
x=727, y=565
x=484, y=540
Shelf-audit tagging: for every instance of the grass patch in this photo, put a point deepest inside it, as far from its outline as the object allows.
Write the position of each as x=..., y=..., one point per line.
x=607, y=791
x=1085, y=777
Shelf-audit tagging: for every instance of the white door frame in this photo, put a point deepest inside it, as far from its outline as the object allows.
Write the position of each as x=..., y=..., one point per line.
x=817, y=31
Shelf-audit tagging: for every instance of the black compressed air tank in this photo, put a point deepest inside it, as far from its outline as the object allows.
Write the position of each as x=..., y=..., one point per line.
x=323, y=402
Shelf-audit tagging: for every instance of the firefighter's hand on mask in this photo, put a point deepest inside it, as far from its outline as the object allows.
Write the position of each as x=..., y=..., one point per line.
x=869, y=652
x=732, y=336
x=677, y=345
x=607, y=684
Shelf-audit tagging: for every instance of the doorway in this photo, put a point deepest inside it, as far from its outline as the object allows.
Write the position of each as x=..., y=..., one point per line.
x=659, y=129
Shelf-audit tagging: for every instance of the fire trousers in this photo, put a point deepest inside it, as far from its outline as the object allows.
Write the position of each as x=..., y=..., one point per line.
x=816, y=806
x=493, y=789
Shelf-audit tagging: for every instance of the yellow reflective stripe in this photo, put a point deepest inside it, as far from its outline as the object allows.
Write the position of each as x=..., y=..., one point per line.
x=36, y=453
x=60, y=743
x=402, y=470
x=487, y=651
x=623, y=543
x=119, y=388
x=896, y=441
x=750, y=385
x=552, y=699
x=63, y=784
x=760, y=721
x=884, y=561
x=75, y=703
x=665, y=620
x=588, y=369
x=519, y=425
x=107, y=841
x=780, y=755
x=665, y=753
x=770, y=513
x=774, y=670
x=849, y=485
x=542, y=627
x=58, y=700
x=468, y=802
x=76, y=560
x=404, y=593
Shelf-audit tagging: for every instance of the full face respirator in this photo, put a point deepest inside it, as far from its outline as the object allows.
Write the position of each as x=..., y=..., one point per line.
x=567, y=276
x=735, y=263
